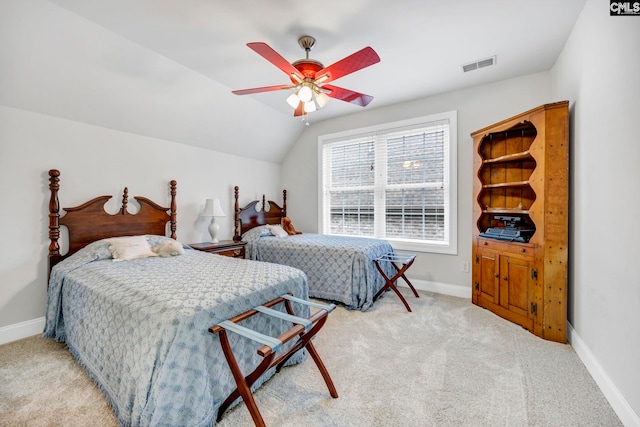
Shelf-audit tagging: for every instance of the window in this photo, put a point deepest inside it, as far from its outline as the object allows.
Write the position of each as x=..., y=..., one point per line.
x=395, y=181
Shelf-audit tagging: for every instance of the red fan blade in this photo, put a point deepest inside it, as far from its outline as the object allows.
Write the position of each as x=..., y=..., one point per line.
x=299, y=110
x=347, y=95
x=261, y=89
x=275, y=58
x=354, y=62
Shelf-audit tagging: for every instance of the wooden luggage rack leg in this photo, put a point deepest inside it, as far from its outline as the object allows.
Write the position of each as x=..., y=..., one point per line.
x=405, y=260
x=303, y=328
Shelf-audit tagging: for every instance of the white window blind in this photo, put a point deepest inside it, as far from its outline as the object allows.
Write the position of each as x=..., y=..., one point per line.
x=394, y=181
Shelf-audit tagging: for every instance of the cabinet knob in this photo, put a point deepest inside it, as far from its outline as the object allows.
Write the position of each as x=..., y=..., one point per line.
x=496, y=275
x=505, y=278
x=523, y=250
x=485, y=243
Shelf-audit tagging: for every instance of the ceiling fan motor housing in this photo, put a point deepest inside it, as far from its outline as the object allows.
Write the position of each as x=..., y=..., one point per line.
x=308, y=68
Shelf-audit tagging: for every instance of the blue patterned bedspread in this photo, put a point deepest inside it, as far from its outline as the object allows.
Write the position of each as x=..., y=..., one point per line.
x=338, y=268
x=140, y=327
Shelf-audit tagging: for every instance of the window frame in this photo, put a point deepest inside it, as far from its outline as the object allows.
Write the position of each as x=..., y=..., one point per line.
x=450, y=245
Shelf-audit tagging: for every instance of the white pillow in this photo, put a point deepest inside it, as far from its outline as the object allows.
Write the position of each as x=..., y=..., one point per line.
x=277, y=230
x=168, y=248
x=130, y=247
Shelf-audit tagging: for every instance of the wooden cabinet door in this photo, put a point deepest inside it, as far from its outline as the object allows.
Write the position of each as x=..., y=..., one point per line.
x=515, y=273
x=504, y=285
x=488, y=284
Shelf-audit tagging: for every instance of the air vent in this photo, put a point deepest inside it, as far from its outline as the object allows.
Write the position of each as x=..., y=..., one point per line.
x=479, y=64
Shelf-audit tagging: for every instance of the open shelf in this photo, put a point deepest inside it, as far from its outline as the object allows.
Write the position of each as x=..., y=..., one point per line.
x=525, y=155
x=504, y=171
x=507, y=184
x=506, y=211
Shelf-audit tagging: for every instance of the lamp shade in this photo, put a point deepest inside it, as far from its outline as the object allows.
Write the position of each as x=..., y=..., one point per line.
x=293, y=100
x=322, y=99
x=309, y=106
x=213, y=208
x=305, y=94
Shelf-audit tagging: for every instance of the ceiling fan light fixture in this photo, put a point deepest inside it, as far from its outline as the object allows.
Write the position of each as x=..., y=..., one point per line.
x=305, y=93
x=322, y=99
x=310, y=106
x=293, y=101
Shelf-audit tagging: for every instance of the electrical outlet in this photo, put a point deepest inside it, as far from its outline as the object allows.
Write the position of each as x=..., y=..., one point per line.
x=464, y=266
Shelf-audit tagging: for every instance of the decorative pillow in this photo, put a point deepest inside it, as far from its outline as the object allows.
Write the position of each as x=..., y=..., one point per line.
x=287, y=226
x=255, y=233
x=168, y=248
x=277, y=230
x=130, y=247
x=155, y=240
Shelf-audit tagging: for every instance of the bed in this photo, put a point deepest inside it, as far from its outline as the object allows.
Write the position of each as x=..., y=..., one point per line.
x=338, y=268
x=140, y=327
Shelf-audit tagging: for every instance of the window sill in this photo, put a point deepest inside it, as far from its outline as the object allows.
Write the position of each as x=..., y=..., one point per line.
x=404, y=245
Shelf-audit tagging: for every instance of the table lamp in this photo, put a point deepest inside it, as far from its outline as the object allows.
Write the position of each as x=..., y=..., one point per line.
x=213, y=209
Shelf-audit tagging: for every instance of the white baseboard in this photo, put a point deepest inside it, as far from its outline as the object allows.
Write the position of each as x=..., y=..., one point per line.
x=21, y=330
x=617, y=401
x=438, y=288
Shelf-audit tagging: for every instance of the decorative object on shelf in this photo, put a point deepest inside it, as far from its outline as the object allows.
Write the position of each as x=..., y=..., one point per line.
x=520, y=211
x=309, y=77
x=213, y=209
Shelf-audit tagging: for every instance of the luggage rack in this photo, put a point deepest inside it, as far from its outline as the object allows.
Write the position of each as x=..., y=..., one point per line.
x=303, y=328
x=395, y=259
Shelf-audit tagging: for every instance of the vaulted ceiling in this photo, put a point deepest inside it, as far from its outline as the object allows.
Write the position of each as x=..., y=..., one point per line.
x=166, y=68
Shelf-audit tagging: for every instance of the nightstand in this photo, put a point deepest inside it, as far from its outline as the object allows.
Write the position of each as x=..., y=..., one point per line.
x=223, y=247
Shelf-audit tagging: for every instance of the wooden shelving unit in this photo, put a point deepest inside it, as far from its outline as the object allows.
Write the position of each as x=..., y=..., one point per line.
x=521, y=166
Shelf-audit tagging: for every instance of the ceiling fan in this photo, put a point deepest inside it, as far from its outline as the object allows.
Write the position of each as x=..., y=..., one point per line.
x=310, y=78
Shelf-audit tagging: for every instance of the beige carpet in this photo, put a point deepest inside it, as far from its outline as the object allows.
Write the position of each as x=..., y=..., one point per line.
x=449, y=363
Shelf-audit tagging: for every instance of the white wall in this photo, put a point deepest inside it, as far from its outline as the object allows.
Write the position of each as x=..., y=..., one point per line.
x=477, y=107
x=59, y=63
x=598, y=72
x=95, y=161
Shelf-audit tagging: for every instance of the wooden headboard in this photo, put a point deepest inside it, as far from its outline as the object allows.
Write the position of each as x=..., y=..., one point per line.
x=90, y=222
x=249, y=217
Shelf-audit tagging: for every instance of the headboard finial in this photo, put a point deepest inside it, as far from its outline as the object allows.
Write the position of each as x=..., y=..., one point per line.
x=125, y=201
x=284, y=203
